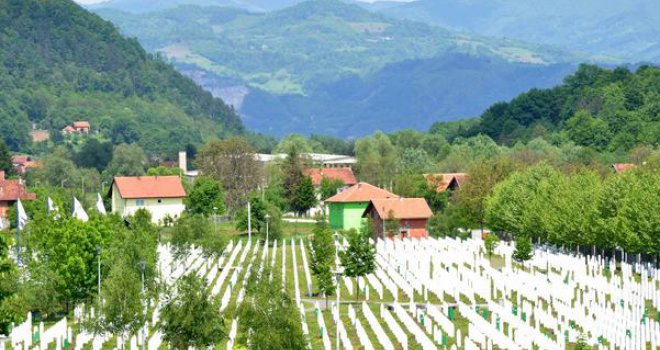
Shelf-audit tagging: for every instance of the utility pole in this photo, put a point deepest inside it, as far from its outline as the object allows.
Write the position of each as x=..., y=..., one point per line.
x=215, y=220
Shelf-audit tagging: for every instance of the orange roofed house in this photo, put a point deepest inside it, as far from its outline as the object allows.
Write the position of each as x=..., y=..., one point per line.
x=10, y=192
x=346, y=207
x=162, y=196
x=23, y=163
x=344, y=175
x=445, y=182
x=411, y=214
x=79, y=127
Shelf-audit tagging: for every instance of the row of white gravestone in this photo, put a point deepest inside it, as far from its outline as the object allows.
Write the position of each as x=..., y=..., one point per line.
x=375, y=325
x=308, y=276
x=341, y=329
x=322, y=328
x=226, y=268
x=394, y=327
x=413, y=327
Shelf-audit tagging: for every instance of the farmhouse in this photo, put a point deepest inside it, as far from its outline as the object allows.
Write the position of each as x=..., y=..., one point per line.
x=79, y=127
x=409, y=214
x=346, y=207
x=162, y=196
x=10, y=192
x=23, y=163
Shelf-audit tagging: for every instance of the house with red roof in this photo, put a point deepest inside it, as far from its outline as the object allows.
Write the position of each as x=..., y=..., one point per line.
x=162, y=196
x=10, y=192
x=621, y=167
x=23, y=163
x=445, y=182
x=79, y=127
x=411, y=215
x=345, y=175
x=345, y=209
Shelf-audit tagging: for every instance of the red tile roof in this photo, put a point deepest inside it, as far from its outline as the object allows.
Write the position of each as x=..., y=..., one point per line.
x=362, y=192
x=20, y=159
x=11, y=190
x=401, y=208
x=345, y=175
x=69, y=129
x=81, y=124
x=150, y=187
x=621, y=167
x=442, y=182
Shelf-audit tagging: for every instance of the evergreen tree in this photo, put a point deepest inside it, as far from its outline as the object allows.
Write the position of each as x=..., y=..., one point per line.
x=5, y=158
x=304, y=197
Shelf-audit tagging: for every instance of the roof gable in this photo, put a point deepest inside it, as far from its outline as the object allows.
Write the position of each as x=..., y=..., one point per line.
x=12, y=190
x=361, y=192
x=400, y=208
x=345, y=175
x=149, y=187
x=442, y=182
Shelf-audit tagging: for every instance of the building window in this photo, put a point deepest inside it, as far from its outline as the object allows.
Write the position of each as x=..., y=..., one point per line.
x=160, y=201
x=139, y=202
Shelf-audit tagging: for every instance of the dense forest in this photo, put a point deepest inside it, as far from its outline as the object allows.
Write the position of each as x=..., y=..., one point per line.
x=604, y=109
x=60, y=63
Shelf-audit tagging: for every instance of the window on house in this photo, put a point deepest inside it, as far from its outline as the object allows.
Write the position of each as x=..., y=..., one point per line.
x=160, y=201
x=139, y=202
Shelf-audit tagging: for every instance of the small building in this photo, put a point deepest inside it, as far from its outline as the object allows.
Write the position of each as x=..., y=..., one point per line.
x=39, y=135
x=10, y=192
x=622, y=167
x=445, y=182
x=79, y=127
x=23, y=163
x=345, y=209
x=410, y=213
x=318, y=159
x=162, y=196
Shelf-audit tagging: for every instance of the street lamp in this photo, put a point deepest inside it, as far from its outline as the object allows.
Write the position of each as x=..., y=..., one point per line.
x=143, y=266
x=98, y=271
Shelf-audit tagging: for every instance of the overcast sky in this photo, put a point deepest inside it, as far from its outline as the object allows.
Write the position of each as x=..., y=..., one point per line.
x=87, y=2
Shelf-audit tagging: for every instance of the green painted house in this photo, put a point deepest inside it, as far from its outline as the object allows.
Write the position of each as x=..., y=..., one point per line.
x=345, y=209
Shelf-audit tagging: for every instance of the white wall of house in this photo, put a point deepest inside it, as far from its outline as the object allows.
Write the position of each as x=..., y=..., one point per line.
x=158, y=207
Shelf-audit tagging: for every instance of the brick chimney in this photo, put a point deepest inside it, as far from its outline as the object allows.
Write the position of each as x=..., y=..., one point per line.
x=2, y=175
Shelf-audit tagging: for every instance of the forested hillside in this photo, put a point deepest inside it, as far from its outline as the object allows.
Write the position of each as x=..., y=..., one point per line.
x=310, y=67
x=614, y=29
x=602, y=108
x=60, y=63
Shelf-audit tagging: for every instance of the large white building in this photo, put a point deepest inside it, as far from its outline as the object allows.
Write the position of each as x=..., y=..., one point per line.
x=162, y=196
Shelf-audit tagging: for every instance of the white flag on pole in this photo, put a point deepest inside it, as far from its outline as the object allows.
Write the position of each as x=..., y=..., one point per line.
x=78, y=211
x=21, y=215
x=50, y=206
x=99, y=204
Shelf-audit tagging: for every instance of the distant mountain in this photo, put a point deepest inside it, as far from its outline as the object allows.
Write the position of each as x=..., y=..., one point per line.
x=60, y=63
x=144, y=6
x=295, y=49
x=622, y=29
x=408, y=94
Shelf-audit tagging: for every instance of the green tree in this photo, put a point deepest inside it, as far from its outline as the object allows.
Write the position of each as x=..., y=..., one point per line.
x=376, y=159
x=181, y=315
x=195, y=229
x=359, y=258
x=270, y=319
x=304, y=197
x=94, y=154
x=586, y=130
x=5, y=158
x=323, y=258
x=329, y=187
x=524, y=249
x=164, y=171
x=491, y=241
x=293, y=143
x=123, y=312
x=127, y=160
x=10, y=311
x=205, y=195
x=232, y=162
x=392, y=224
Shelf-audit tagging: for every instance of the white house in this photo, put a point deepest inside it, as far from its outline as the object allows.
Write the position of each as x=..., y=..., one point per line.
x=162, y=196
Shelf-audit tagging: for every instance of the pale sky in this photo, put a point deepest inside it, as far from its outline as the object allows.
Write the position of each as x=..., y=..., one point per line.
x=87, y=2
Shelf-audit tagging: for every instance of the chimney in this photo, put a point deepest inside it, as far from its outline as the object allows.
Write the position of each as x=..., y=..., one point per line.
x=2, y=175
x=183, y=161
